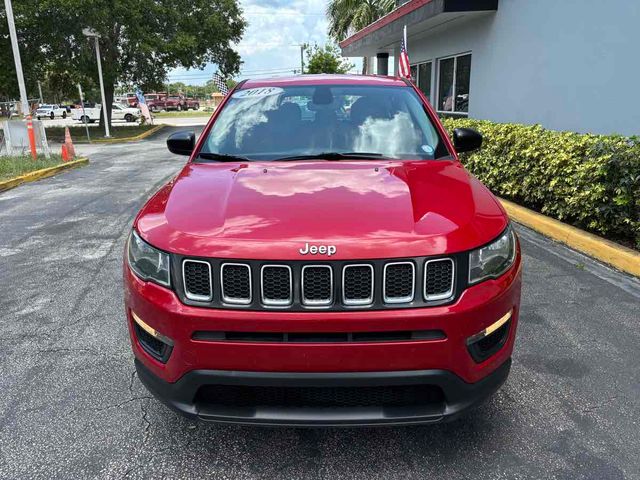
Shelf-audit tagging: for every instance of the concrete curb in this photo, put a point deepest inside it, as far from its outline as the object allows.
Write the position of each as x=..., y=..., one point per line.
x=143, y=135
x=38, y=174
x=622, y=258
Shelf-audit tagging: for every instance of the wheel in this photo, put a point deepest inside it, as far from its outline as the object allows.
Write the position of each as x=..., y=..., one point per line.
x=179, y=108
x=153, y=108
x=38, y=117
x=85, y=119
x=52, y=116
x=196, y=106
x=64, y=114
x=129, y=118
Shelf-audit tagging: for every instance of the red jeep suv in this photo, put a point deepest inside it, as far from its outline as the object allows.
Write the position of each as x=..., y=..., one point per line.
x=323, y=259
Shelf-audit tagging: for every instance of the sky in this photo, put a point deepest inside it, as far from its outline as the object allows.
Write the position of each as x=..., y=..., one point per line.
x=271, y=43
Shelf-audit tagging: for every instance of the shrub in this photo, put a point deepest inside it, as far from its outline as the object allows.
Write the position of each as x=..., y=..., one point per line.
x=590, y=181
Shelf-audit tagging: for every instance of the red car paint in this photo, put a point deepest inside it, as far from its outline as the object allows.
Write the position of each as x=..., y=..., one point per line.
x=370, y=209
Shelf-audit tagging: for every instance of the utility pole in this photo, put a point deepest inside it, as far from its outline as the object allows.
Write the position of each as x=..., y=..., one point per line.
x=26, y=112
x=302, y=47
x=87, y=32
x=40, y=91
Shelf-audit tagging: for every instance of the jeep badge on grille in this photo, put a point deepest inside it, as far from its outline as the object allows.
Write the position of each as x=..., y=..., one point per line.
x=318, y=250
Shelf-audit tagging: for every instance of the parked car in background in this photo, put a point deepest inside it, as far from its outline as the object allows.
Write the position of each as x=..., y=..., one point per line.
x=118, y=112
x=190, y=103
x=155, y=101
x=173, y=102
x=160, y=101
x=50, y=111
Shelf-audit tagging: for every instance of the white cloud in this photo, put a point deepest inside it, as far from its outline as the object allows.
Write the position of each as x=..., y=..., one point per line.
x=270, y=46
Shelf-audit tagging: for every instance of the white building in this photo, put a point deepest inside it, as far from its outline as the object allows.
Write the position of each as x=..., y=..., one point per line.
x=566, y=64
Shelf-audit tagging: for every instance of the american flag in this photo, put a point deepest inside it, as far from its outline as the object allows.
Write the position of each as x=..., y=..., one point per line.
x=405, y=67
x=220, y=83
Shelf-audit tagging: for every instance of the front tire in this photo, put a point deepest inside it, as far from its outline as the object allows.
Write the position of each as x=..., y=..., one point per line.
x=196, y=106
x=128, y=118
x=52, y=116
x=179, y=108
x=64, y=114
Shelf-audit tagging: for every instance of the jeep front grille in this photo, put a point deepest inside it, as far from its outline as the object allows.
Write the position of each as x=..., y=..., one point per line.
x=277, y=285
x=331, y=285
x=357, y=284
x=317, y=285
x=438, y=279
x=236, y=283
x=399, y=282
x=198, y=284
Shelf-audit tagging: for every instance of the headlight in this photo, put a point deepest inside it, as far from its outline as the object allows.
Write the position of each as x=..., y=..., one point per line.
x=147, y=262
x=494, y=259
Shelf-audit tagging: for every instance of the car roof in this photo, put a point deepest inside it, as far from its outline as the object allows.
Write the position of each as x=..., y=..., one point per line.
x=324, y=79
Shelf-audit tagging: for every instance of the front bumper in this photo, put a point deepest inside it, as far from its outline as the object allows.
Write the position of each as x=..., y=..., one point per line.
x=458, y=396
x=444, y=362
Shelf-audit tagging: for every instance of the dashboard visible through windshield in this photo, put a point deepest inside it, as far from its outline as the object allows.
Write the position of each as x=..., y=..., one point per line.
x=340, y=121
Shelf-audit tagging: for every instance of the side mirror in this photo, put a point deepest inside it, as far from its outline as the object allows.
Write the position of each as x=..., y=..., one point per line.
x=466, y=139
x=181, y=143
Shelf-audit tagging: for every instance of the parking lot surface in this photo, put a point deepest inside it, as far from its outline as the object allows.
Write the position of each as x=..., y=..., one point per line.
x=71, y=405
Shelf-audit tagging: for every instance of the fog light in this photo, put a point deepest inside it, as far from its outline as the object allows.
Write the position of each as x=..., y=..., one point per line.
x=152, y=341
x=484, y=344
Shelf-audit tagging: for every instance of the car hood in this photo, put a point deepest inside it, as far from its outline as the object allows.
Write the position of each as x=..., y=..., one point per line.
x=364, y=209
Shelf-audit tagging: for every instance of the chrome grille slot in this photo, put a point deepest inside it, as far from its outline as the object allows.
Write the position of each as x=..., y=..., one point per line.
x=438, y=279
x=399, y=282
x=276, y=285
x=235, y=283
x=357, y=284
x=197, y=280
x=317, y=285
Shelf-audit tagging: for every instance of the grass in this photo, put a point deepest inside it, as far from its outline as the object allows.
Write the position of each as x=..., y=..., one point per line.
x=79, y=134
x=11, y=167
x=187, y=114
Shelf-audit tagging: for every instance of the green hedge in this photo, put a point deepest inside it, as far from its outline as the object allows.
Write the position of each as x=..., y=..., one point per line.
x=590, y=181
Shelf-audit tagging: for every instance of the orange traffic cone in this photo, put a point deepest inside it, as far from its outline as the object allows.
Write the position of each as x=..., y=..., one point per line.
x=64, y=152
x=71, y=151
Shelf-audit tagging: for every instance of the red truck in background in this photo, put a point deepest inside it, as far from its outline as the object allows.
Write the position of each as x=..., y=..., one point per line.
x=160, y=101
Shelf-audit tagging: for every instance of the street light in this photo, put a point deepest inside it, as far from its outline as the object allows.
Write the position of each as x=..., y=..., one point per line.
x=21, y=87
x=90, y=33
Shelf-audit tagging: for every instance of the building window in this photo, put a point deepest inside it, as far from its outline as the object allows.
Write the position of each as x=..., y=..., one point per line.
x=421, y=76
x=454, y=75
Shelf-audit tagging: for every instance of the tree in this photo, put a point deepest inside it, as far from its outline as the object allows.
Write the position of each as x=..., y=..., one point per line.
x=348, y=16
x=326, y=59
x=140, y=40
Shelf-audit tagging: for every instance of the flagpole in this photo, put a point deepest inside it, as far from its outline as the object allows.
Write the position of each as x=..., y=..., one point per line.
x=406, y=47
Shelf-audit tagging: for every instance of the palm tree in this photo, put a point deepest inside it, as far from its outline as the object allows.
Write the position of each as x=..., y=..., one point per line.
x=348, y=16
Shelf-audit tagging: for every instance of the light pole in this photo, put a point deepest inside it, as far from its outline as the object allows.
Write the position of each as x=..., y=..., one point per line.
x=23, y=91
x=88, y=32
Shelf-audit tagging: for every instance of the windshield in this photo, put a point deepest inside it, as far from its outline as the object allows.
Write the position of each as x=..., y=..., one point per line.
x=276, y=122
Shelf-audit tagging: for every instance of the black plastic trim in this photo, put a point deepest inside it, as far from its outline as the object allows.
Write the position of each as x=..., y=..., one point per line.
x=319, y=337
x=459, y=396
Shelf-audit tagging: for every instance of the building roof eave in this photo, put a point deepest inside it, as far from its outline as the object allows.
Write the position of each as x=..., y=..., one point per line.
x=418, y=16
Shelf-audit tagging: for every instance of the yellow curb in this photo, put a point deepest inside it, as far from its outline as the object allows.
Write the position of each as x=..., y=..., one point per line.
x=38, y=174
x=143, y=135
x=620, y=257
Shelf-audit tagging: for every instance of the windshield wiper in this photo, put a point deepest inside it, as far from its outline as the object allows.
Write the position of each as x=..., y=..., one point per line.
x=334, y=156
x=223, y=157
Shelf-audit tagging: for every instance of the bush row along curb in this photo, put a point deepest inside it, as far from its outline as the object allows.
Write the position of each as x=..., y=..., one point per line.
x=620, y=257
x=38, y=174
x=143, y=135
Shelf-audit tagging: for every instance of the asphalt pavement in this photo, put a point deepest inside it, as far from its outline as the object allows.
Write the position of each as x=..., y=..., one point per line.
x=71, y=405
